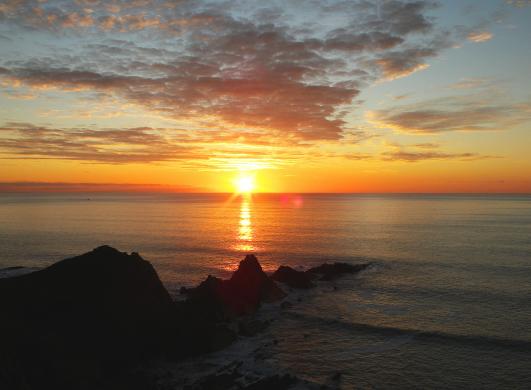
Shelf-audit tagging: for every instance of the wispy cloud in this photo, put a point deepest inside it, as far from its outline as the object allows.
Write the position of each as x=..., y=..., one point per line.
x=480, y=36
x=426, y=152
x=454, y=113
x=415, y=156
x=472, y=83
x=20, y=186
x=209, y=149
x=131, y=145
x=519, y=3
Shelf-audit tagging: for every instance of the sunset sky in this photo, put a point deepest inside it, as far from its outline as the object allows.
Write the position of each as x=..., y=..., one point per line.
x=304, y=96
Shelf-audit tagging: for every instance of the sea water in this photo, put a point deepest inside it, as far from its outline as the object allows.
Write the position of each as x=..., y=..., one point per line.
x=446, y=302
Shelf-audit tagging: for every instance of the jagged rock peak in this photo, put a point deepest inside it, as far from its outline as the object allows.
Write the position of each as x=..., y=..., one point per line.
x=250, y=262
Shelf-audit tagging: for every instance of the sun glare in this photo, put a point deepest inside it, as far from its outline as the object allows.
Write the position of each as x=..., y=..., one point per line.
x=244, y=184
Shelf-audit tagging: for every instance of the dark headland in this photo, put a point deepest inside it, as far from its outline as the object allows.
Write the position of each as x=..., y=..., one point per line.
x=95, y=320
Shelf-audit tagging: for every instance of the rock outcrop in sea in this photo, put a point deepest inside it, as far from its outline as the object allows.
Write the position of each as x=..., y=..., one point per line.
x=292, y=277
x=87, y=322
x=304, y=279
x=243, y=293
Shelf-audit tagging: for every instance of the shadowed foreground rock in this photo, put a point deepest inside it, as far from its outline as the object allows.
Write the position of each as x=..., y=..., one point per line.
x=83, y=322
x=80, y=319
x=230, y=381
x=88, y=321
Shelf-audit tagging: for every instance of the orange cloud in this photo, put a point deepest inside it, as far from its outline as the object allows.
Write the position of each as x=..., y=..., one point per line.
x=479, y=36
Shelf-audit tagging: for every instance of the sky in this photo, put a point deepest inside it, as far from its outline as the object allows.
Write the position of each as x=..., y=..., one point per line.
x=302, y=96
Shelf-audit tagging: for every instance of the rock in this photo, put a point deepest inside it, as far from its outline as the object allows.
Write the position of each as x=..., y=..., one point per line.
x=251, y=284
x=232, y=379
x=17, y=267
x=15, y=271
x=286, y=305
x=248, y=287
x=333, y=381
x=87, y=321
x=208, y=296
x=217, y=381
x=82, y=319
x=203, y=325
x=335, y=270
x=277, y=382
x=220, y=336
x=249, y=328
x=217, y=302
x=292, y=278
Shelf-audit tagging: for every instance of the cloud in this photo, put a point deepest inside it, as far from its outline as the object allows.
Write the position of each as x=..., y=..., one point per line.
x=456, y=113
x=409, y=156
x=519, y=3
x=19, y=95
x=269, y=76
x=400, y=97
x=427, y=145
x=479, y=36
x=472, y=83
x=92, y=187
x=426, y=151
x=132, y=145
x=232, y=65
x=263, y=91
x=209, y=149
x=401, y=64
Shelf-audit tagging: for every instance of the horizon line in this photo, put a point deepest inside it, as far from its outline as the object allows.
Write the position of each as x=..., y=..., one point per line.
x=79, y=192
x=35, y=187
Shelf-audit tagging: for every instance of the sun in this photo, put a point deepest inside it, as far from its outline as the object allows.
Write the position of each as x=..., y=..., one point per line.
x=244, y=184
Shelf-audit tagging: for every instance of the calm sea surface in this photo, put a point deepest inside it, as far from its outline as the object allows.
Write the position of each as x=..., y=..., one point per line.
x=445, y=304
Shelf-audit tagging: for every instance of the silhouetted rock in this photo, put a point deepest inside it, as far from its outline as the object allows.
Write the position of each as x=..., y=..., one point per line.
x=17, y=267
x=277, y=382
x=209, y=307
x=292, y=278
x=335, y=270
x=80, y=319
x=232, y=379
x=15, y=271
x=251, y=327
x=203, y=322
x=286, y=305
x=87, y=321
x=248, y=287
x=217, y=381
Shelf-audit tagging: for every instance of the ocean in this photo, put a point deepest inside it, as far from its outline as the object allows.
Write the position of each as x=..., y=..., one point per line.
x=446, y=302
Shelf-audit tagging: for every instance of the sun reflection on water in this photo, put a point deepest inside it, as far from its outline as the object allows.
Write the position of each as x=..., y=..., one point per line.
x=245, y=228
